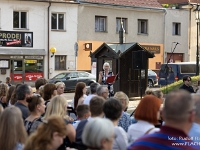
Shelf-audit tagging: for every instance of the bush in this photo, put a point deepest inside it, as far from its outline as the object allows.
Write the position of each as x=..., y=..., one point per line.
x=176, y=85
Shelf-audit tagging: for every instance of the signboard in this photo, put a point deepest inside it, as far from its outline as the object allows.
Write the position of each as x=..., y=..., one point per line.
x=28, y=76
x=4, y=64
x=154, y=49
x=16, y=39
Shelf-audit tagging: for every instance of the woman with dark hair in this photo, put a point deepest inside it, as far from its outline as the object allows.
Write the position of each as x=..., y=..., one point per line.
x=80, y=92
x=147, y=115
x=12, y=131
x=48, y=136
x=49, y=92
x=9, y=94
x=3, y=93
x=37, y=108
x=13, y=98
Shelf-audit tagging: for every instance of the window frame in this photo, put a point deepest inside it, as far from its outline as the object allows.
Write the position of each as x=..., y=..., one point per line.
x=59, y=63
x=176, y=32
x=125, y=24
x=105, y=23
x=140, y=26
x=57, y=21
x=20, y=19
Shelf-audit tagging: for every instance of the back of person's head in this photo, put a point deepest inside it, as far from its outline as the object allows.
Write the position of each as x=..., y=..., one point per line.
x=93, y=87
x=97, y=130
x=10, y=92
x=158, y=93
x=96, y=106
x=57, y=106
x=33, y=102
x=148, y=109
x=123, y=98
x=196, y=99
x=177, y=106
x=13, y=99
x=82, y=110
x=148, y=91
x=3, y=89
x=12, y=129
x=48, y=91
x=186, y=78
x=22, y=92
x=7, y=79
x=101, y=89
x=46, y=132
x=112, y=109
x=39, y=82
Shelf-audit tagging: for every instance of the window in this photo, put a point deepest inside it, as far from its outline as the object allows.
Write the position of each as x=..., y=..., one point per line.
x=83, y=74
x=142, y=26
x=176, y=29
x=20, y=19
x=118, y=24
x=60, y=62
x=100, y=24
x=57, y=21
x=188, y=68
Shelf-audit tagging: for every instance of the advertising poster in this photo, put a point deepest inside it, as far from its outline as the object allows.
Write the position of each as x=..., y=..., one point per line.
x=16, y=39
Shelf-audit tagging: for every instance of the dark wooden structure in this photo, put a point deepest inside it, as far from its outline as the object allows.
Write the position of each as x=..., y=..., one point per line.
x=120, y=58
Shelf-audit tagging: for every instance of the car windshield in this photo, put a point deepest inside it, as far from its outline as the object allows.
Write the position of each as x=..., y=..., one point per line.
x=60, y=76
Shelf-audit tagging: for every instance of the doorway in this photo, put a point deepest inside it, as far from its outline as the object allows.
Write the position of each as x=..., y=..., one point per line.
x=17, y=71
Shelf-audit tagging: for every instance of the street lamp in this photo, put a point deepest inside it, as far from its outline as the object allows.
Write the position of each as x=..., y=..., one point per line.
x=197, y=15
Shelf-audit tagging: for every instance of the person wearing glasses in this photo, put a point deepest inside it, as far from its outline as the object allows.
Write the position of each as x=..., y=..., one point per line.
x=186, y=86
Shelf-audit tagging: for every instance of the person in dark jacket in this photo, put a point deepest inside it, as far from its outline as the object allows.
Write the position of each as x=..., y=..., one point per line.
x=186, y=86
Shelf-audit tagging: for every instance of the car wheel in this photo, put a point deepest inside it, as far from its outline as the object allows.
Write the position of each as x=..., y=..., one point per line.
x=150, y=83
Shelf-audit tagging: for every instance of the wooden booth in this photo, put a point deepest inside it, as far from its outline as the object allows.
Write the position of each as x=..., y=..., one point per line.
x=130, y=61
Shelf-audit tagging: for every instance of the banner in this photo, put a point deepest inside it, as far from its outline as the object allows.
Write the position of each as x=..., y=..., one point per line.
x=16, y=39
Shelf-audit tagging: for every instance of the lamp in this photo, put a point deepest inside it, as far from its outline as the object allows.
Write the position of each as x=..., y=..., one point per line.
x=52, y=50
x=197, y=17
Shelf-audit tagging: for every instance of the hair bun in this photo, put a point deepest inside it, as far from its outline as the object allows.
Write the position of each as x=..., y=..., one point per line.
x=29, y=99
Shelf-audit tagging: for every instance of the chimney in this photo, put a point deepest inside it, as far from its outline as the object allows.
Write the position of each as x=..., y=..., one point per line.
x=121, y=32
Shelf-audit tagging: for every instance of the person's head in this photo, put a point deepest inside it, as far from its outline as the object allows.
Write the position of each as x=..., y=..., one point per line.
x=149, y=91
x=102, y=91
x=98, y=134
x=123, y=99
x=178, y=108
x=60, y=86
x=9, y=93
x=106, y=66
x=12, y=129
x=187, y=80
x=196, y=98
x=31, y=91
x=57, y=106
x=158, y=94
x=49, y=91
x=8, y=79
x=22, y=92
x=80, y=90
x=112, y=109
x=13, y=99
x=148, y=109
x=83, y=111
x=39, y=82
x=96, y=106
x=41, y=90
x=36, y=104
x=93, y=87
x=3, y=89
x=49, y=135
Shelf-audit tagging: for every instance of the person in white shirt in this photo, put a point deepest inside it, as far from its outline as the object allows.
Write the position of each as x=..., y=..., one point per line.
x=93, y=92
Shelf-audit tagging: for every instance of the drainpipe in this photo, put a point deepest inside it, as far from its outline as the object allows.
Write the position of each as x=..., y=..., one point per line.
x=164, y=41
x=48, y=33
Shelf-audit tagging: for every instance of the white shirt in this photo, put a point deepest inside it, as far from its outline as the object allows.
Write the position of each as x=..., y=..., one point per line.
x=139, y=129
x=88, y=98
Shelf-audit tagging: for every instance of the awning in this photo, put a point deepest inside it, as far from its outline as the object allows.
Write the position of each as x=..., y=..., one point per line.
x=4, y=51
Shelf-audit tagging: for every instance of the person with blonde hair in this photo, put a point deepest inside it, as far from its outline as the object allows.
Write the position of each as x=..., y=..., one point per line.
x=49, y=135
x=12, y=131
x=3, y=93
x=125, y=119
x=60, y=86
x=58, y=106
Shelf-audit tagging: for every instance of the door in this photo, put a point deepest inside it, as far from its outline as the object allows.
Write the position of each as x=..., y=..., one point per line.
x=17, y=71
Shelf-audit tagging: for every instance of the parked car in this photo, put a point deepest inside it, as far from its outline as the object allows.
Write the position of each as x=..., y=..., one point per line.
x=71, y=78
x=152, y=78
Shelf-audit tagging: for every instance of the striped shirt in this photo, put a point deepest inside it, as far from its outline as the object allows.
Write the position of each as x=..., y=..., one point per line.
x=167, y=138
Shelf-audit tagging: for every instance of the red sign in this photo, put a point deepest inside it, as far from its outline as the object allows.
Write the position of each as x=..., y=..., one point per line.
x=28, y=76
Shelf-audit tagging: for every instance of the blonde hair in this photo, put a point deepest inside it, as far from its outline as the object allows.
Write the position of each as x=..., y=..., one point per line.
x=148, y=91
x=1, y=109
x=122, y=96
x=3, y=89
x=43, y=135
x=57, y=106
x=59, y=84
x=12, y=129
x=106, y=63
x=41, y=90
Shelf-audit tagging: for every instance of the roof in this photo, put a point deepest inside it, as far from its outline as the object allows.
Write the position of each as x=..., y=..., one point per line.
x=137, y=3
x=178, y=1
x=6, y=51
x=121, y=49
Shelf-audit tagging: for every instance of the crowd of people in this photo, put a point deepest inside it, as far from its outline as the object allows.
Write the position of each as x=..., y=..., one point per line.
x=41, y=120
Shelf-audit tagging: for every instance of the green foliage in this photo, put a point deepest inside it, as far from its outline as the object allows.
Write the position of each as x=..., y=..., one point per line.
x=170, y=5
x=176, y=85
